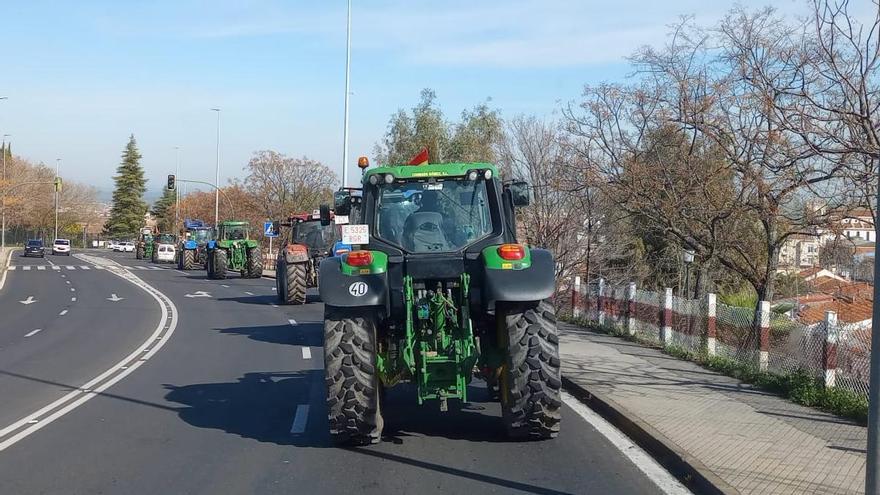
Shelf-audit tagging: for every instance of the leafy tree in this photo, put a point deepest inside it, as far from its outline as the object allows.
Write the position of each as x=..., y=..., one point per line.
x=129, y=207
x=474, y=138
x=163, y=210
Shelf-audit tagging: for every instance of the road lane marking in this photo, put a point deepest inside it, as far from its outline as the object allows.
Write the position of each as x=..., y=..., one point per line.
x=113, y=297
x=56, y=267
x=70, y=267
x=29, y=300
x=83, y=267
x=274, y=305
x=198, y=293
x=26, y=267
x=72, y=289
x=41, y=267
x=62, y=313
x=73, y=299
x=299, y=420
x=249, y=293
x=67, y=281
x=307, y=353
x=34, y=332
x=645, y=463
x=221, y=285
x=35, y=421
x=292, y=322
x=50, y=262
x=13, y=268
x=8, y=261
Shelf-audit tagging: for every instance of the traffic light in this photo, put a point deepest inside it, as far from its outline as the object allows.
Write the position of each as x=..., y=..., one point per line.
x=171, y=179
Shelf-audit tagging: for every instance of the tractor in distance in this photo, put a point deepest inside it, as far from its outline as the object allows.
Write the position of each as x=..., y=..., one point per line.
x=311, y=239
x=233, y=249
x=193, y=248
x=435, y=291
x=144, y=247
x=164, y=246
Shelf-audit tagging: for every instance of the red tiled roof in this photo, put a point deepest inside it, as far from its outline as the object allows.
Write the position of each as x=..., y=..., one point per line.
x=847, y=311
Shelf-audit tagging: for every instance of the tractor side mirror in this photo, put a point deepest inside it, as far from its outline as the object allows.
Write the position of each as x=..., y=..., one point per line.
x=519, y=193
x=342, y=202
x=325, y=215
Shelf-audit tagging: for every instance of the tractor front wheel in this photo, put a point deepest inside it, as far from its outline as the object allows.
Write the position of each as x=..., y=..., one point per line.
x=353, y=386
x=219, y=263
x=294, y=283
x=531, y=378
x=254, y=266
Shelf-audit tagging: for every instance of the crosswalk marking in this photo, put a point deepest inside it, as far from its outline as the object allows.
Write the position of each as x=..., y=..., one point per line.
x=26, y=267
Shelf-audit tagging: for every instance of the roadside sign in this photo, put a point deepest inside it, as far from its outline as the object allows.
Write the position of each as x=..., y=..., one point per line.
x=356, y=234
x=268, y=230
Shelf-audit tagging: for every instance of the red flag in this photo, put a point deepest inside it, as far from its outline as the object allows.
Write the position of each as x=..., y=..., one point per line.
x=421, y=158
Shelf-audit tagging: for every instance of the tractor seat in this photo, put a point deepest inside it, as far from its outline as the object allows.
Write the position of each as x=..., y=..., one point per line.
x=422, y=233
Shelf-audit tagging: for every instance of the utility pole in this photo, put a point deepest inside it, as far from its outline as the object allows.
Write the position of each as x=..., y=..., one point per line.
x=57, y=174
x=872, y=467
x=347, y=85
x=217, y=174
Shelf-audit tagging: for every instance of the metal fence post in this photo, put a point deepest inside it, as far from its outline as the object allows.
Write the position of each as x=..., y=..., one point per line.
x=764, y=336
x=631, y=309
x=829, y=361
x=600, y=301
x=711, y=310
x=666, y=324
x=575, y=297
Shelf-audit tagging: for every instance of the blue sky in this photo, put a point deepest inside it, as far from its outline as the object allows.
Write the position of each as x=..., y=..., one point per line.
x=81, y=76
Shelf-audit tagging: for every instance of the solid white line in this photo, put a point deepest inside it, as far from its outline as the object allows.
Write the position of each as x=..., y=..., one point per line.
x=31, y=334
x=299, y=420
x=646, y=464
x=64, y=312
x=8, y=261
x=292, y=322
x=307, y=353
x=87, y=391
x=249, y=293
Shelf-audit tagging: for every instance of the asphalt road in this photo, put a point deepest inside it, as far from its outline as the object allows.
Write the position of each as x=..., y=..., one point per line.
x=233, y=402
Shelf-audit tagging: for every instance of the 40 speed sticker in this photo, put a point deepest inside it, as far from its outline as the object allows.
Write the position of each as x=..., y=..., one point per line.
x=357, y=289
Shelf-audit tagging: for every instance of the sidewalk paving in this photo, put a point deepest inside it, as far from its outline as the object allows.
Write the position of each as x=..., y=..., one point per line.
x=739, y=438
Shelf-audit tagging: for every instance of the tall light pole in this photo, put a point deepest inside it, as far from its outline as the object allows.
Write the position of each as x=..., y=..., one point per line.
x=176, y=189
x=872, y=465
x=57, y=174
x=347, y=84
x=3, y=204
x=217, y=175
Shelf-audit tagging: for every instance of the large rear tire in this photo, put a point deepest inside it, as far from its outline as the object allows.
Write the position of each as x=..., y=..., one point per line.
x=294, y=285
x=531, y=379
x=353, y=386
x=139, y=253
x=187, y=259
x=219, y=263
x=254, y=265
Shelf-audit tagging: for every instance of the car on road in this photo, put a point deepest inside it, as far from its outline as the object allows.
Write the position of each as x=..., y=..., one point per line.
x=35, y=247
x=126, y=247
x=166, y=253
x=61, y=246
x=112, y=245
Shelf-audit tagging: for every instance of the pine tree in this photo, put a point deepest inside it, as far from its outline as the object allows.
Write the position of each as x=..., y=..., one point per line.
x=129, y=207
x=163, y=210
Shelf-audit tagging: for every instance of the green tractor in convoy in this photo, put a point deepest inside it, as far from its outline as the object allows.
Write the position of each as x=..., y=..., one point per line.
x=233, y=249
x=435, y=291
x=144, y=246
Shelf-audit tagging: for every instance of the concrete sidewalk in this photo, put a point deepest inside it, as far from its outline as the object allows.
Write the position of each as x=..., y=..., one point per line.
x=732, y=437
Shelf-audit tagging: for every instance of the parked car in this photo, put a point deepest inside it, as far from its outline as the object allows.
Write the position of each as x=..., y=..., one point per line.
x=61, y=246
x=112, y=244
x=127, y=247
x=35, y=247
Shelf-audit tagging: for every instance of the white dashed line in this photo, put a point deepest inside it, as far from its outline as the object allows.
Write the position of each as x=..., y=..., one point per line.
x=72, y=289
x=72, y=299
x=299, y=420
x=70, y=267
x=67, y=281
x=249, y=293
x=41, y=267
x=26, y=267
x=221, y=285
x=34, y=332
x=64, y=312
x=292, y=322
x=307, y=353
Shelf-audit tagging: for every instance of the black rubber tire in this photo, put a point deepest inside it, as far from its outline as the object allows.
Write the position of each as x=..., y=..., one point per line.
x=155, y=255
x=209, y=264
x=139, y=253
x=187, y=259
x=531, y=379
x=254, y=263
x=219, y=264
x=294, y=283
x=353, y=387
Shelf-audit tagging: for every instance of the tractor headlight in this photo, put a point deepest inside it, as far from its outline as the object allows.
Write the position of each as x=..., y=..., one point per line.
x=389, y=178
x=487, y=174
x=374, y=179
x=472, y=175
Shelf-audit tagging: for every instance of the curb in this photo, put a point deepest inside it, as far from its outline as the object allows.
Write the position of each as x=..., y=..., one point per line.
x=4, y=264
x=683, y=466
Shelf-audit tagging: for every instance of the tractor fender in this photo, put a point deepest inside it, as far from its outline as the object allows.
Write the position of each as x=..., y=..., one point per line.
x=534, y=283
x=189, y=244
x=296, y=253
x=349, y=291
x=211, y=244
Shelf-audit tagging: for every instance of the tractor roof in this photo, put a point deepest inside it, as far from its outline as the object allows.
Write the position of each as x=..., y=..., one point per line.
x=429, y=170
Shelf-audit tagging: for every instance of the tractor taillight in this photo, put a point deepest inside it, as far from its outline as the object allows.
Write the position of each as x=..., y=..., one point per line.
x=511, y=252
x=359, y=258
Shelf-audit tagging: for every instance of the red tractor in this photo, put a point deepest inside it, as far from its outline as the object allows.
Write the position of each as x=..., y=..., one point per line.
x=296, y=269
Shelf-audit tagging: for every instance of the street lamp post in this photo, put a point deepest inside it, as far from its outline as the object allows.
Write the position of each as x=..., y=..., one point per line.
x=688, y=258
x=3, y=205
x=872, y=465
x=347, y=84
x=57, y=174
x=176, y=189
x=217, y=174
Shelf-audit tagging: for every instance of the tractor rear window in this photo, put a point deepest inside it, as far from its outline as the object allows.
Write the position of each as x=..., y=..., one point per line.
x=435, y=216
x=315, y=235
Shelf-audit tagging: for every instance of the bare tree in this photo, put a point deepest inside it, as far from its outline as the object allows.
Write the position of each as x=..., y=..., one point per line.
x=279, y=185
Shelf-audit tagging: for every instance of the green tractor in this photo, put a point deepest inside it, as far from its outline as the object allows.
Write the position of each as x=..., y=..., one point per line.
x=234, y=250
x=435, y=291
x=144, y=246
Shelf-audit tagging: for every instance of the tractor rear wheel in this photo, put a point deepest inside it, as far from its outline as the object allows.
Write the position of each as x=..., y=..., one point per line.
x=219, y=263
x=531, y=378
x=254, y=266
x=187, y=259
x=294, y=283
x=139, y=253
x=353, y=386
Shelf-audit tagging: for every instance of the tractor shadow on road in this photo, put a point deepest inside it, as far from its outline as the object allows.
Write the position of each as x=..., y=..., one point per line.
x=303, y=334
x=266, y=299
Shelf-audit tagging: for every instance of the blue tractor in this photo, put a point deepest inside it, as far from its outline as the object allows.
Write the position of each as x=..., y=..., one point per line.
x=193, y=244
